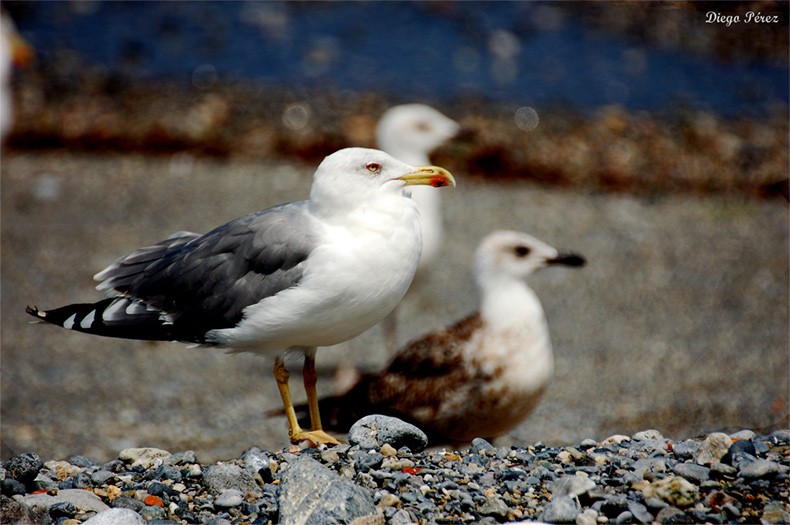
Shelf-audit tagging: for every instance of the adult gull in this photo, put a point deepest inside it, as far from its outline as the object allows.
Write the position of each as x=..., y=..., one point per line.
x=483, y=375
x=296, y=276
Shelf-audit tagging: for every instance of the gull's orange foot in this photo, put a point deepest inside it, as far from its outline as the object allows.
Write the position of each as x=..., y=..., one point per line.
x=315, y=437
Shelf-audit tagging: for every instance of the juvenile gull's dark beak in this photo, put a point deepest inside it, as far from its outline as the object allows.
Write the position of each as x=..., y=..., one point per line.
x=568, y=259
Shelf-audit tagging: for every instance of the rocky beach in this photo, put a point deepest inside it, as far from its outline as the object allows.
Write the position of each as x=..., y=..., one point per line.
x=384, y=476
x=670, y=401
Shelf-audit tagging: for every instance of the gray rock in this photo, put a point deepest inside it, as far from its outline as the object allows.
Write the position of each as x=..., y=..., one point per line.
x=221, y=477
x=12, y=512
x=743, y=434
x=144, y=457
x=493, y=506
x=648, y=435
x=782, y=435
x=84, y=500
x=125, y=502
x=563, y=509
x=255, y=460
x=62, y=509
x=181, y=458
x=644, y=465
x=674, y=490
x=686, y=449
x=713, y=448
x=671, y=515
x=12, y=487
x=372, y=432
x=588, y=517
x=572, y=486
x=639, y=512
x=401, y=517
x=760, y=468
x=24, y=467
x=722, y=469
x=692, y=472
x=740, y=451
x=229, y=498
x=100, y=477
x=614, y=505
x=116, y=517
x=478, y=445
x=310, y=493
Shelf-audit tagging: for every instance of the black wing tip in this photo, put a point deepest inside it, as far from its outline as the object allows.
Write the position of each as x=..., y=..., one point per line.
x=35, y=312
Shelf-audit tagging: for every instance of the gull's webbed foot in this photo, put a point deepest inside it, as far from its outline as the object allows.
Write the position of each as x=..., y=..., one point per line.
x=315, y=437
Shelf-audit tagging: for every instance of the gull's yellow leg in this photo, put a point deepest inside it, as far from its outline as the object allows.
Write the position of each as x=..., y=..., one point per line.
x=295, y=432
x=281, y=375
x=310, y=379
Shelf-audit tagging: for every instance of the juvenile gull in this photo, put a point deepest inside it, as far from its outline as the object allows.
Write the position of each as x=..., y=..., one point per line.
x=483, y=375
x=296, y=276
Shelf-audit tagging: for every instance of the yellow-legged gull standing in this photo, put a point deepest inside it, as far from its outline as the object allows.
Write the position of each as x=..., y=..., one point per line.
x=296, y=276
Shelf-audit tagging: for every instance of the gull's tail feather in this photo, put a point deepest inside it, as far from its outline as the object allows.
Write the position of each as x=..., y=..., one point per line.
x=113, y=317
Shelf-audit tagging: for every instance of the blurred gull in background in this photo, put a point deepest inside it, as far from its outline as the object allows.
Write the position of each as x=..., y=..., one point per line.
x=13, y=51
x=410, y=132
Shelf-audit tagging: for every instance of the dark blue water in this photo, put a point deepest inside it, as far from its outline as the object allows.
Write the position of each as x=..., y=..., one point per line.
x=516, y=52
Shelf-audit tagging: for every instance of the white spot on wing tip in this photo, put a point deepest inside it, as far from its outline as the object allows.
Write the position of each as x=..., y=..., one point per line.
x=112, y=311
x=87, y=321
x=69, y=324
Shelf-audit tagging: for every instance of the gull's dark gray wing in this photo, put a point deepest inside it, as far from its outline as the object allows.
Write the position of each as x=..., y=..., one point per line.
x=188, y=284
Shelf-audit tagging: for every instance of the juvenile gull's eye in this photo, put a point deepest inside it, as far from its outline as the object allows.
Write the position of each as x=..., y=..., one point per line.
x=373, y=167
x=521, y=251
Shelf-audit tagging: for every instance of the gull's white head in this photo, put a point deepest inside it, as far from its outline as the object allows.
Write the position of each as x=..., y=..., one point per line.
x=411, y=131
x=506, y=253
x=358, y=174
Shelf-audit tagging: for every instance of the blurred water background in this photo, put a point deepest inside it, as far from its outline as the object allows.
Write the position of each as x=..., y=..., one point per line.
x=577, y=55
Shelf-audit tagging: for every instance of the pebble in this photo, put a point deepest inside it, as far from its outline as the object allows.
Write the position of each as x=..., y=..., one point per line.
x=645, y=478
x=221, y=477
x=116, y=517
x=713, y=448
x=144, y=457
x=373, y=432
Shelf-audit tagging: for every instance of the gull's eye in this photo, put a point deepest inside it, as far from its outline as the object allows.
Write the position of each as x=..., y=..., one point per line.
x=521, y=251
x=373, y=167
x=423, y=126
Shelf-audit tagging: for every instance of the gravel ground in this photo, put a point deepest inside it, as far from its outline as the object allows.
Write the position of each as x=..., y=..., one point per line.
x=384, y=476
x=679, y=322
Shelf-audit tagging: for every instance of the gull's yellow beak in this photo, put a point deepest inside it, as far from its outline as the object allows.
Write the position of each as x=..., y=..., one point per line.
x=429, y=176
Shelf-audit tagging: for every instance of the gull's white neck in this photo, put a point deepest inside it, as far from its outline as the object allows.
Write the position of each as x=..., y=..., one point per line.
x=508, y=302
x=517, y=335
